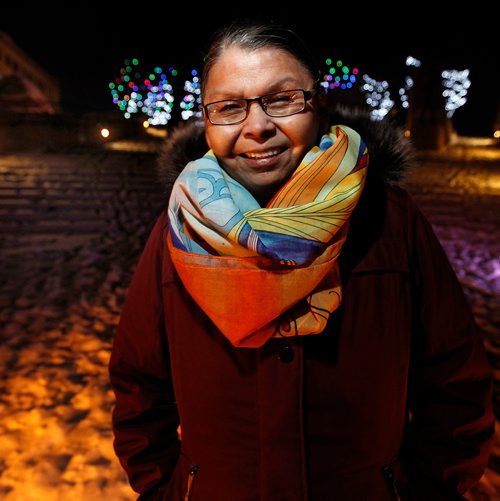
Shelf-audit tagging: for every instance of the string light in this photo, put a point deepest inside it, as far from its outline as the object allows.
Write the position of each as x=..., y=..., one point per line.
x=378, y=97
x=191, y=102
x=160, y=100
x=413, y=61
x=338, y=75
x=152, y=95
x=456, y=85
x=124, y=88
x=403, y=91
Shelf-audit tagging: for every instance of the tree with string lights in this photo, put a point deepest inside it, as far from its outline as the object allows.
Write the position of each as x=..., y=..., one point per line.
x=152, y=95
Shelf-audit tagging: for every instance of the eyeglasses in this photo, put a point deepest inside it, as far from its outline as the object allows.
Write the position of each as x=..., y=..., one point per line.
x=278, y=104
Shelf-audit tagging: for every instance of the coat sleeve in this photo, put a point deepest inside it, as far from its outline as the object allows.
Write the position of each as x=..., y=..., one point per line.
x=145, y=417
x=450, y=398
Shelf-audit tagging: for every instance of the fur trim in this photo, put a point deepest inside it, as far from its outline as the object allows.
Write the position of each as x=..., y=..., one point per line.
x=390, y=152
x=186, y=142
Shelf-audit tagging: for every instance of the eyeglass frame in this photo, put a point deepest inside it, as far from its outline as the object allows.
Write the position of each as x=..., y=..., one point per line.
x=307, y=94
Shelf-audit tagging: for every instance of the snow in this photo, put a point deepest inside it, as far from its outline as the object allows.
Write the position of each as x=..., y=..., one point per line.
x=62, y=288
x=71, y=228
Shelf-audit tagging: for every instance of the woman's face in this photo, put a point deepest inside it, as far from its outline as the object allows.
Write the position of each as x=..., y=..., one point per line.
x=262, y=151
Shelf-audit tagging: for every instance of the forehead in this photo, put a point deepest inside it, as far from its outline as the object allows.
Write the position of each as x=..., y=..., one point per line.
x=243, y=72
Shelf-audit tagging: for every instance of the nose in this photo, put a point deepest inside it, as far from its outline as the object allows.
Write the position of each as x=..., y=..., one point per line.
x=257, y=123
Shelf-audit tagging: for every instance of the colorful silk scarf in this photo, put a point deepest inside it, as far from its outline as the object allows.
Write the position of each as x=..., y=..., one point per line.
x=267, y=272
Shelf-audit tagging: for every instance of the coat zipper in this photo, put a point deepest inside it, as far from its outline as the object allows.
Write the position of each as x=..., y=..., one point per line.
x=191, y=474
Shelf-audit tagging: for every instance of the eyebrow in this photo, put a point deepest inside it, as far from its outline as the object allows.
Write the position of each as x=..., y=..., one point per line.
x=287, y=83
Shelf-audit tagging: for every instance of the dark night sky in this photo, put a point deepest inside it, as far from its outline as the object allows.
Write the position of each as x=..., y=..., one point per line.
x=84, y=50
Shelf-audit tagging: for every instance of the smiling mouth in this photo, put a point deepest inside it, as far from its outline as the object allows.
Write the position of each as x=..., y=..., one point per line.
x=256, y=155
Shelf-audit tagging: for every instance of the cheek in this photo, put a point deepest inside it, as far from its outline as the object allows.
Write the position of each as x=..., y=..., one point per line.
x=304, y=135
x=220, y=139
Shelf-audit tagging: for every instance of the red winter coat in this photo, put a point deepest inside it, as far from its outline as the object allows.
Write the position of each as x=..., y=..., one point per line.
x=392, y=399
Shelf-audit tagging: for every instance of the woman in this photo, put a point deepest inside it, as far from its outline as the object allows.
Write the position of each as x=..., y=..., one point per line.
x=293, y=330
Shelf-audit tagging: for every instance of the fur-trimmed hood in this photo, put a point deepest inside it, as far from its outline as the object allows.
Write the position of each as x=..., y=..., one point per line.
x=390, y=152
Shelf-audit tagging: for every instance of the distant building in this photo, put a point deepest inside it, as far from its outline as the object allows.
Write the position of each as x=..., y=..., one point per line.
x=25, y=87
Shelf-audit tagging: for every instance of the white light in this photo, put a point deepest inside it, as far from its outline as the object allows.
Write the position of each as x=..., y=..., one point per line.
x=192, y=99
x=380, y=100
x=412, y=61
x=456, y=83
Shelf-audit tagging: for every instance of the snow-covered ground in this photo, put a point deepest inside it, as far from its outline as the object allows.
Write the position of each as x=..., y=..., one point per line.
x=71, y=228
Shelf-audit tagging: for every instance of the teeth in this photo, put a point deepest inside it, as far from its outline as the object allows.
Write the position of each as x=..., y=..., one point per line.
x=263, y=154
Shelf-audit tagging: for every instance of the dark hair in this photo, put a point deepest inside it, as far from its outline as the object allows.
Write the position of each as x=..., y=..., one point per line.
x=253, y=35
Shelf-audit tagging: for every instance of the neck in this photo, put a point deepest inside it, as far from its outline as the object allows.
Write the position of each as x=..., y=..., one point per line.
x=263, y=198
x=266, y=193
